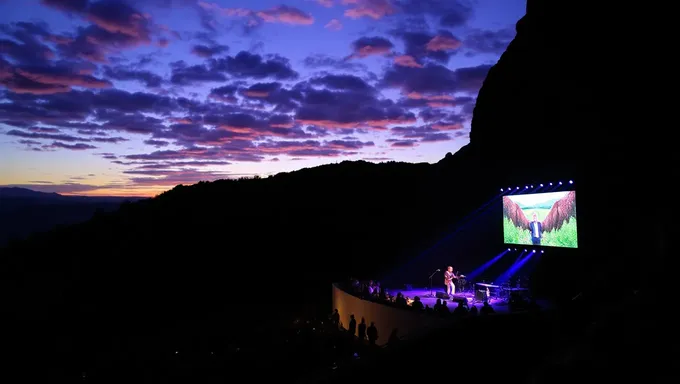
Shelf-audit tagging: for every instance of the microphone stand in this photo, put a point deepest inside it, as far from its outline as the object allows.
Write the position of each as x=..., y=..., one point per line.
x=431, y=276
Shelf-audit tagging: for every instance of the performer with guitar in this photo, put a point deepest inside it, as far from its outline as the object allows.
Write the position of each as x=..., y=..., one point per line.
x=448, y=281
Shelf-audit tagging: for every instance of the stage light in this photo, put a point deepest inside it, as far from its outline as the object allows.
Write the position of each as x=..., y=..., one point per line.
x=525, y=250
x=560, y=183
x=532, y=186
x=508, y=249
x=501, y=189
x=517, y=187
x=542, y=251
x=551, y=184
x=541, y=185
x=515, y=249
x=526, y=186
x=534, y=251
x=571, y=181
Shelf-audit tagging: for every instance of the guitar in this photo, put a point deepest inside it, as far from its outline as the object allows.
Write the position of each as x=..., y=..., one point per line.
x=449, y=278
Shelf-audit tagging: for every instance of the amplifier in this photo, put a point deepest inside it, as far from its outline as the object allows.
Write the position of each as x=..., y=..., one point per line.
x=481, y=294
x=442, y=295
x=456, y=299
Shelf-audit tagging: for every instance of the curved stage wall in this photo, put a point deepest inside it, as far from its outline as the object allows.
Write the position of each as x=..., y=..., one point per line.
x=386, y=318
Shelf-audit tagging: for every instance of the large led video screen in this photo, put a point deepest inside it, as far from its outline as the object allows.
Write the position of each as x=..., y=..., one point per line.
x=541, y=219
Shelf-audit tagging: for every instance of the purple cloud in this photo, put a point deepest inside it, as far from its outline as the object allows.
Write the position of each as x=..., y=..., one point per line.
x=371, y=46
x=174, y=91
x=72, y=147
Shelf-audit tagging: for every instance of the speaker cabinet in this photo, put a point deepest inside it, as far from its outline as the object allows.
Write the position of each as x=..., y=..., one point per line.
x=481, y=294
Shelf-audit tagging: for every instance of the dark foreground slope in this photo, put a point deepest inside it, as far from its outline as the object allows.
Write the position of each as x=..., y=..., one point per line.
x=193, y=247
x=209, y=263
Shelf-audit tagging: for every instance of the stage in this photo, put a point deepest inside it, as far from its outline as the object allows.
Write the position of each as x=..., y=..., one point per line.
x=499, y=304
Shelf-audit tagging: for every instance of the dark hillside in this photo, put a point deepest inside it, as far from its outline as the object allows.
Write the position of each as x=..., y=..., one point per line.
x=193, y=246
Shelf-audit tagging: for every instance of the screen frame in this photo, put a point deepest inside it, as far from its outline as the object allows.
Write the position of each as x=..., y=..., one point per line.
x=569, y=204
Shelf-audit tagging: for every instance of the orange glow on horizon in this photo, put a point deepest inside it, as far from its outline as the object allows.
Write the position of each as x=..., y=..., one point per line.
x=122, y=192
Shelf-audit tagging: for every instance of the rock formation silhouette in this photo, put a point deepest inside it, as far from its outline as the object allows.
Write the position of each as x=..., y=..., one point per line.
x=536, y=110
x=552, y=107
x=556, y=103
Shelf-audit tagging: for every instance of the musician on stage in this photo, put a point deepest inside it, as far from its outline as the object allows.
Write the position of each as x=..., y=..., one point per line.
x=448, y=281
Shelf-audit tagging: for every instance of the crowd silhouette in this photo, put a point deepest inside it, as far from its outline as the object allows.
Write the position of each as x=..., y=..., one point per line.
x=363, y=332
x=516, y=342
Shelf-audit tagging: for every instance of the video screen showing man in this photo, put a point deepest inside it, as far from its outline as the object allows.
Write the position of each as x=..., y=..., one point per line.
x=536, y=229
x=541, y=219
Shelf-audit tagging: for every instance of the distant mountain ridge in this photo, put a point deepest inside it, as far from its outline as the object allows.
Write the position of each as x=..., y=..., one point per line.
x=23, y=193
x=542, y=205
x=14, y=192
x=545, y=204
x=24, y=211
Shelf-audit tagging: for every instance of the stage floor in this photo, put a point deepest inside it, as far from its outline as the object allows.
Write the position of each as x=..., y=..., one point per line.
x=499, y=305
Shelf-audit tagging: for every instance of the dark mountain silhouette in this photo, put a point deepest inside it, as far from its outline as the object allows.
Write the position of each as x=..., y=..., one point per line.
x=24, y=211
x=16, y=192
x=192, y=258
x=24, y=193
x=307, y=227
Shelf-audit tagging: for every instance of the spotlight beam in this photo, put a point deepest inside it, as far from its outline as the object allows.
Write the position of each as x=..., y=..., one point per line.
x=512, y=271
x=460, y=225
x=486, y=265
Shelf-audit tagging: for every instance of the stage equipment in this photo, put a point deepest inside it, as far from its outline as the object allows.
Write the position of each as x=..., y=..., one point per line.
x=462, y=282
x=509, y=293
x=431, y=276
x=483, y=292
x=457, y=298
x=442, y=295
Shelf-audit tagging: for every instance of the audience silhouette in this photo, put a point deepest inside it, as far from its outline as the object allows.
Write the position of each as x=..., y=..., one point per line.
x=417, y=304
x=335, y=317
x=361, y=334
x=444, y=308
x=460, y=311
x=400, y=300
x=352, y=328
x=487, y=309
x=372, y=333
x=438, y=306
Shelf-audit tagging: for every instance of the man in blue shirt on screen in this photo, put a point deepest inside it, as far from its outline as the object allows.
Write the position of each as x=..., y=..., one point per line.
x=536, y=230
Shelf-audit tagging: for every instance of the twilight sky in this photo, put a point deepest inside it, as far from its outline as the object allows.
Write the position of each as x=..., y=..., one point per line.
x=132, y=98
